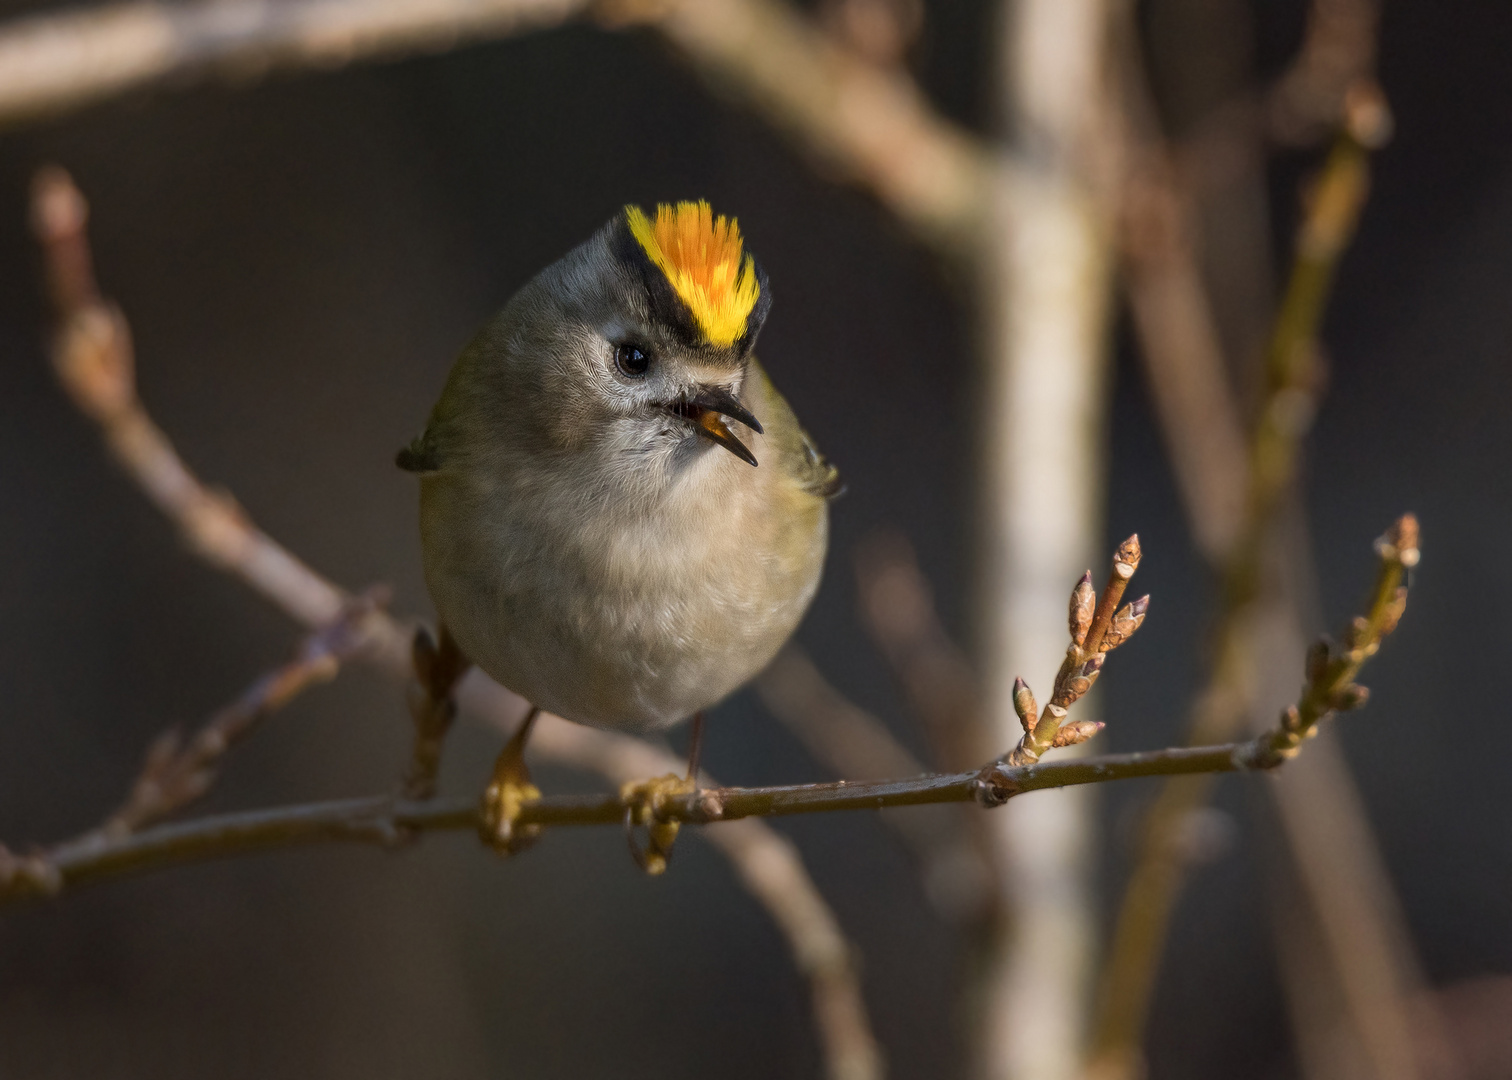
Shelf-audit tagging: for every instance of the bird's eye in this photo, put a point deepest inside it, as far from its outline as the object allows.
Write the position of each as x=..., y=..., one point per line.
x=632, y=360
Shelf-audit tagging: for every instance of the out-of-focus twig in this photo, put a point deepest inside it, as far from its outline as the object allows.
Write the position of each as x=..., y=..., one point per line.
x=1338, y=53
x=898, y=611
x=1294, y=379
x=54, y=62
x=93, y=358
x=863, y=122
x=857, y=745
x=179, y=770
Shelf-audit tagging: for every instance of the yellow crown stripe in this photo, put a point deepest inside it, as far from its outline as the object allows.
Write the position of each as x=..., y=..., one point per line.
x=700, y=255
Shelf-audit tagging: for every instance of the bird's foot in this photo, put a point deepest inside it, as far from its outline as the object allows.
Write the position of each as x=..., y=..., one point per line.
x=507, y=796
x=503, y=803
x=646, y=802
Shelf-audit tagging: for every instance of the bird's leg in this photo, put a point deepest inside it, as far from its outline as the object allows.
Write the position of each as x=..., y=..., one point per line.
x=644, y=800
x=508, y=792
x=439, y=666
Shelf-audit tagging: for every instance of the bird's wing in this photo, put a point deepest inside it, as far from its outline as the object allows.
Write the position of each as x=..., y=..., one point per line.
x=798, y=456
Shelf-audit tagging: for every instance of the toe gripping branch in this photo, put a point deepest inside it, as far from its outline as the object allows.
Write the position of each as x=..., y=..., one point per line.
x=645, y=807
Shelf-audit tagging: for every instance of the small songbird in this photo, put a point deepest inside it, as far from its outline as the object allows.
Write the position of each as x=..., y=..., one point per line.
x=621, y=519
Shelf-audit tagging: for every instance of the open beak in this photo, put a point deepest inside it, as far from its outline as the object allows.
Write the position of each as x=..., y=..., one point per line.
x=708, y=409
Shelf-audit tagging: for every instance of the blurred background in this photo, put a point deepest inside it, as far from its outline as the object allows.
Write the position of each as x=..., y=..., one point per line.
x=302, y=252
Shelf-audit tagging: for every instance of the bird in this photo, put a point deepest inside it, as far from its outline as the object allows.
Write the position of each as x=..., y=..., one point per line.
x=621, y=519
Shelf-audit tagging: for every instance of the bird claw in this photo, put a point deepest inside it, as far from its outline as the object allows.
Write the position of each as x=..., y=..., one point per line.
x=503, y=802
x=645, y=803
x=509, y=793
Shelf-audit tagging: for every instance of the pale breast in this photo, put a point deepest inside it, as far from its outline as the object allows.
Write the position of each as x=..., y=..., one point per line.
x=617, y=614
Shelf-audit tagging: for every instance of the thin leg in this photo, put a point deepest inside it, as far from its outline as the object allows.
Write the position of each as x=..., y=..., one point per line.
x=439, y=666
x=695, y=745
x=508, y=793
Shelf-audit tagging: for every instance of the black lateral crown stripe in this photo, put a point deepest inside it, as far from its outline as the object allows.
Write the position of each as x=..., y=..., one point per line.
x=666, y=306
x=759, y=312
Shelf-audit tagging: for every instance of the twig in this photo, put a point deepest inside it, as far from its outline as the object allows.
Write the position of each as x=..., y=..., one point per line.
x=386, y=821
x=1095, y=632
x=51, y=63
x=863, y=122
x=855, y=744
x=1338, y=53
x=1293, y=381
x=767, y=864
x=178, y=772
x=94, y=361
x=898, y=611
x=92, y=356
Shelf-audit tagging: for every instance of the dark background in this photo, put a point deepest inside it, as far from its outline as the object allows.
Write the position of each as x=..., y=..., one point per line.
x=300, y=260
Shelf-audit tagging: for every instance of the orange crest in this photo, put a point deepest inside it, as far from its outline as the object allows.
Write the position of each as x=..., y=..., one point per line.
x=700, y=254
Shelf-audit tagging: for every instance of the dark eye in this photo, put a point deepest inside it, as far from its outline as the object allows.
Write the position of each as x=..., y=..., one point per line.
x=631, y=360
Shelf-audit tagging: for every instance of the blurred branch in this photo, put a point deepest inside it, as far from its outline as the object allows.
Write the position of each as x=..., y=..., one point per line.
x=1294, y=379
x=1338, y=53
x=93, y=358
x=898, y=610
x=179, y=771
x=1045, y=290
x=853, y=743
x=55, y=62
x=864, y=122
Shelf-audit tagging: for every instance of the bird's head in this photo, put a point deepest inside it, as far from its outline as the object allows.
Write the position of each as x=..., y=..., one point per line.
x=639, y=339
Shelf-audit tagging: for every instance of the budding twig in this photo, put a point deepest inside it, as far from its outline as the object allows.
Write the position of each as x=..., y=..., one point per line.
x=1095, y=632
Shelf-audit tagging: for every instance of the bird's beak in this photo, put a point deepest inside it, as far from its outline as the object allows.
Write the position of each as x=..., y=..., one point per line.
x=708, y=409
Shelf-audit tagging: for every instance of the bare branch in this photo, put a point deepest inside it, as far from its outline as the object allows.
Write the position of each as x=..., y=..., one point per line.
x=898, y=611
x=863, y=122
x=180, y=771
x=386, y=821
x=1293, y=382
x=51, y=63
x=951, y=855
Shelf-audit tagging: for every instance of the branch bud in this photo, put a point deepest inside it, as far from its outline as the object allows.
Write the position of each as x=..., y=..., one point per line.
x=1126, y=558
x=1129, y=618
x=1317, y=661
x=1291, y=719
x=1025, y=705
x=1358, y=634
x=1082, y=681
x=1350, y=697
x=1078, y=731
x=1400, y=544
x=1083, y=600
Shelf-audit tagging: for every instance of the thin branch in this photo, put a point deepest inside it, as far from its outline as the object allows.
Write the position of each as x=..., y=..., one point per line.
x=1293, y=381
x=863, y=122
x=55, y=62
x=179, y=771
x=950, y=853
x=897, y=609
x=93, y=358
x=386, y=822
